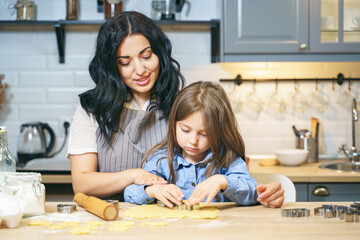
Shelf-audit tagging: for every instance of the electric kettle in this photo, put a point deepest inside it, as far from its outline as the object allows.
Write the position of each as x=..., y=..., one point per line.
x=33, y=141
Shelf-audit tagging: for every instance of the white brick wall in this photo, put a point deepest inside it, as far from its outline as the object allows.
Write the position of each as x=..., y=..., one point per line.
x=41, y=89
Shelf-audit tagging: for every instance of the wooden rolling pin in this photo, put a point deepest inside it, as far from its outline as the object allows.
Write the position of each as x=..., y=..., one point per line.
x=100, y=208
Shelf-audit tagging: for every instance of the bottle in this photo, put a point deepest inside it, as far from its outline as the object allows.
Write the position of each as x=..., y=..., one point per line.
x=112, y=8
x=71, y=9
x=25, y=10
x=7, y=159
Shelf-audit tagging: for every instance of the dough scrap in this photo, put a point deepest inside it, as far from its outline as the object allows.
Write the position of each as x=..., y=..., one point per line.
x=94, y=223
x=56, y=227
x=69, y=224
x=122, y=224
x=118, y=228
x=81, y=230
x=153, y=211
x=40, y=223
x=154, y=224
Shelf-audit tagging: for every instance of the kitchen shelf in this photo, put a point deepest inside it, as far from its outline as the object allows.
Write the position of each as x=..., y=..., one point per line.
x=60, y=27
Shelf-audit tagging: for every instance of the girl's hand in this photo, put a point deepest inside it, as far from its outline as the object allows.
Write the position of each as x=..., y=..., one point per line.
x=208, y=189
x=270, y=195
x=143, y=177
x=166, y=193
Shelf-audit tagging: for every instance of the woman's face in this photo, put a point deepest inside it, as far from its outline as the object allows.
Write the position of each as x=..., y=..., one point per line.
x=138, y=66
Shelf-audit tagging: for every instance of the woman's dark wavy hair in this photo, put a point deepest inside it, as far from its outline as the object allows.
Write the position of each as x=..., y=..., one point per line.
x=106, y=100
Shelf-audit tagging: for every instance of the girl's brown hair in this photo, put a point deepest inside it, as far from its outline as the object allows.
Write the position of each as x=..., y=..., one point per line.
x=210, y=99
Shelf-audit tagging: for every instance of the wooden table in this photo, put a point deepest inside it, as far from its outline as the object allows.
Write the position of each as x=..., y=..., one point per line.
x=234, y=222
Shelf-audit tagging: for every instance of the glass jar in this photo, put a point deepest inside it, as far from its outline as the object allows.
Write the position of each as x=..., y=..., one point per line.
x=25, y=10
x=112, y=8
x=7, y=159
x=157, y=8
x=71, y=9
x=27, y=186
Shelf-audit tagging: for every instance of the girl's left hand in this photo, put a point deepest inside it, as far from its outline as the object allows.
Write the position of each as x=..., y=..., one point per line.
x=208, y=189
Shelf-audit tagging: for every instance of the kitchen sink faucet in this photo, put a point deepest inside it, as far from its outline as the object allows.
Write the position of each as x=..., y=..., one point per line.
x=352, y=154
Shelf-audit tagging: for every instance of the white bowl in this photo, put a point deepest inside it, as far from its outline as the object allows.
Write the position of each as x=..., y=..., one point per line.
x=291, y=157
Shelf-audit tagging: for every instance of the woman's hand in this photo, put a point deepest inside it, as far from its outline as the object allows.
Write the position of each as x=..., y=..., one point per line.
x=166, y=193
x=143, y=177
x=208, y=189
x=270, y=195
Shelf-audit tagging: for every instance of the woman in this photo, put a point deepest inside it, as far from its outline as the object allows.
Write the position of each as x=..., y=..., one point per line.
x=126, y=113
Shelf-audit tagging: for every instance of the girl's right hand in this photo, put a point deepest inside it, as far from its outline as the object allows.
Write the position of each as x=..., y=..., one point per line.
x=166, y=193
x=143, y=177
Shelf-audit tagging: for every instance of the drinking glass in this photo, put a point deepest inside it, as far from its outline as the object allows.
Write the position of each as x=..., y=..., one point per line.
x=254, y=102
x=277, y=102
x=297, y=101
x=235, y=100
x=318, y=100
x=345, y=97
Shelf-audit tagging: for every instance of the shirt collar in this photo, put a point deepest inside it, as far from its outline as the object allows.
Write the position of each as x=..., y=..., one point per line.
x=133, y=105
x=179, y=161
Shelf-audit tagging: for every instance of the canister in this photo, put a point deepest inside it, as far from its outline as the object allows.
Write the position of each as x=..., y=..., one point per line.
x=310, y=144
x=27, y=186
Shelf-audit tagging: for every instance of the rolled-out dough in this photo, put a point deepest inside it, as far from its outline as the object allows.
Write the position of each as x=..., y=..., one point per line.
x=153, y=211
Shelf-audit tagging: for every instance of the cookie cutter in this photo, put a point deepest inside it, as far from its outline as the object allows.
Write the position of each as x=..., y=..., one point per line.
x=180, y=207
x=319, y=211
x=355, y=205
x=340, y=211
x=352, y=216
x=295, y=212
x=115, y=202
x=66, y=208
x=348, y=214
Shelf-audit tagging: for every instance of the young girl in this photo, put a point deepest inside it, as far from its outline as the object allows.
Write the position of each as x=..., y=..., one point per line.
x=202, y=156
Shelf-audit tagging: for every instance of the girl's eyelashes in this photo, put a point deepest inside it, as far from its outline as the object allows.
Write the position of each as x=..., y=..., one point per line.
x=185, y=130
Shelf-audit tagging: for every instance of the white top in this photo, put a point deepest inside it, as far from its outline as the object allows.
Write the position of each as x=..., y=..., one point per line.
x=82, y=137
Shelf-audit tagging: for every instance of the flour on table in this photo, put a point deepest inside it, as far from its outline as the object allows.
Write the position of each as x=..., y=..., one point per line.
x=213, y=224
x=78, y=216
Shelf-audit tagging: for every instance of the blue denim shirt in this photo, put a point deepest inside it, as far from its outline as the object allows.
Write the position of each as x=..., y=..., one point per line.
x=241, y=185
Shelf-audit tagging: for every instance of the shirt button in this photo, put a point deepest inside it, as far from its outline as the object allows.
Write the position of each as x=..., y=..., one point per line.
x=193, y=184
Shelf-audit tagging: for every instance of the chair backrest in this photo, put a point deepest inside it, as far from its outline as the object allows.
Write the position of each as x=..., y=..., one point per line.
x=286, y=184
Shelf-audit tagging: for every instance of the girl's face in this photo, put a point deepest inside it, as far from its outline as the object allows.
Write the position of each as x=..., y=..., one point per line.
x=191, y=137
x=138, y=66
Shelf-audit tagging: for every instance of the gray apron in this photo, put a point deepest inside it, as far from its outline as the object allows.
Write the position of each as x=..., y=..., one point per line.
x=140, y=131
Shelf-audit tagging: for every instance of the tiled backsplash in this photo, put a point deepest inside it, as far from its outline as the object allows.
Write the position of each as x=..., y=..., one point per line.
x=41, y=89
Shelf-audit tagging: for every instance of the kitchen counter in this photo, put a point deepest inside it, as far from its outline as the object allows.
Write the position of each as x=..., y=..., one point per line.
x=233, y=222
x=307, y=172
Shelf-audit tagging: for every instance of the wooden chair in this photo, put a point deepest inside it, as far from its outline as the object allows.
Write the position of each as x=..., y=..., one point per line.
x=286, y=184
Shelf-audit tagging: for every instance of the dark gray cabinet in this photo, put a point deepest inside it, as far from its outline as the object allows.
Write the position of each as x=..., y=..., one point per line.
x=332, y=192
x=262, y=26
x=280, y=30
x=332, y=28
